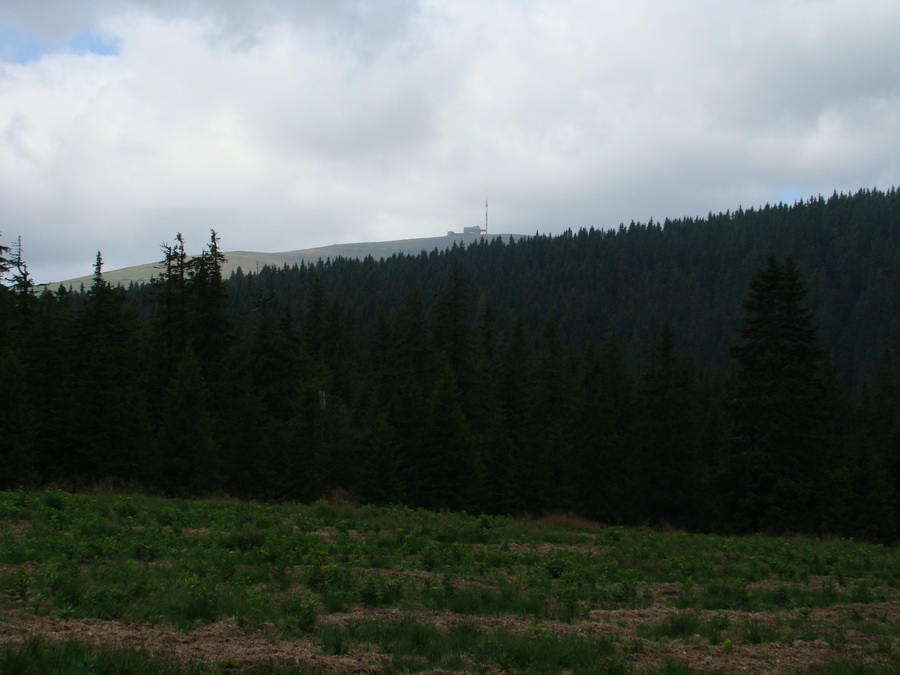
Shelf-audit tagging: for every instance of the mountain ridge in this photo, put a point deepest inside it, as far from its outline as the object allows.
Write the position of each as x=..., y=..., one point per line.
x=253, y=260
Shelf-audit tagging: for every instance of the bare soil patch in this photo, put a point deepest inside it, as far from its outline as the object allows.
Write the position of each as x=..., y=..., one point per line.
x=227, y=645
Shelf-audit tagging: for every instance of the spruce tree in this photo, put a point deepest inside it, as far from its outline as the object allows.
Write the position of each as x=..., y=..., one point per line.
x=109, y=429
x=774, y=476
x=314, y=319
x=451, y=470
x=451, y=326
x=515, y=375
x=490, y=426
x=187, y=435
x=4, y=261
x=667, y=434
x=382, y=469
x=49, y=358
x=17, y=421
x=872, y=467
x=171, y=307
x=22, y=283
x=607, y=476
x=6, y=300
x=547, y=465
x=207, y=320
x=405, y=387
x=308, y=462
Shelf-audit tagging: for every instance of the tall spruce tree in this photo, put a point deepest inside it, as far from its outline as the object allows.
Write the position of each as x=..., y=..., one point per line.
x=171, y=306
x=775, y=466
x=189, y=448
x=451, y=328
x=6, y=300
x=871, y=471
x=607, y=477
x=548, y=464
x=489, y=423
x=515, y=386
x=412, y=364
x=451, y=470
x=207, y=318
x=314, y=319
x=382, y=469
x=4, y=261
x=18, y=422
x=108, y=422
x=667, y=434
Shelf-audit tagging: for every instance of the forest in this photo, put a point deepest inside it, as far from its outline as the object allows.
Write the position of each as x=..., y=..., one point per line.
x=730, y=373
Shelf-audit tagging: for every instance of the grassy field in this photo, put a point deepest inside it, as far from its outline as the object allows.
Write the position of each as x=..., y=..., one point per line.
x=98, y=583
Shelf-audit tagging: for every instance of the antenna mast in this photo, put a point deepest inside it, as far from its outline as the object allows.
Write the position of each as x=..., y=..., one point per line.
x=485, y=214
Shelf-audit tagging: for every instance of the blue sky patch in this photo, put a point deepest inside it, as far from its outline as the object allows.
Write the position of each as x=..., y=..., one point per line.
x=21, y=46
x=86, y=41
x=790, y=195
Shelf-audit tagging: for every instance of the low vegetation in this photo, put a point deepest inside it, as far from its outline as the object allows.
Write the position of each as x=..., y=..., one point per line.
x=92, y=582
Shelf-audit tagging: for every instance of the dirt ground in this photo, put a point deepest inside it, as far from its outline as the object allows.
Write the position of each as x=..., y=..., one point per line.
x=234, y=649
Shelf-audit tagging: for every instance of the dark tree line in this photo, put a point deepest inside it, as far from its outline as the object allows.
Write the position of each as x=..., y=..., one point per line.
x=276, y=385
x=627, y=282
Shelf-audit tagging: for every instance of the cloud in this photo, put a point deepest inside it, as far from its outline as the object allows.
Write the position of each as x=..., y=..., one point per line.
x=286, y=125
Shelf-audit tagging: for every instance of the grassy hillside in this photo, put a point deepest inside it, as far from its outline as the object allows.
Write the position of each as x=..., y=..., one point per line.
x=335, y=587
x=252, y=261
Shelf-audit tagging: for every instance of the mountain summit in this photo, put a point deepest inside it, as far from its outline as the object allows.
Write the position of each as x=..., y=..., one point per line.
x=250, y=261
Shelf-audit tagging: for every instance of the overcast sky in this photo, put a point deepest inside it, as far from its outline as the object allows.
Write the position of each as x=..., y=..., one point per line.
x=288, y=124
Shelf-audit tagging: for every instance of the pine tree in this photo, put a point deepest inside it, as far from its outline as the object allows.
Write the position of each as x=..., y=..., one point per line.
x=451, y=326
x=871, y=470
x=171, y=304
x=451, y=471
x=22, y=283
x=7, y=304
x=49, y=358
x=309, y=467
x=382, y=468
x=547, y=465
x=4, y=261
x=413, y=341
x=514, y=388
x=187, y=435
x=494, y=446
x=775, y=467
x=108, y=423
x=208, y=325
x=667, y=434
x=607, y=469
x=17, y=421
x=405, y=381
x=314, y=319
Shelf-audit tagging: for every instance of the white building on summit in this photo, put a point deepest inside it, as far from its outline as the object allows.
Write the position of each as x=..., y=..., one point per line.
x=477, y=229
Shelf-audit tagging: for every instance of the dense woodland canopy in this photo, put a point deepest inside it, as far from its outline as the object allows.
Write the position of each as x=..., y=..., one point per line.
x=732, y=372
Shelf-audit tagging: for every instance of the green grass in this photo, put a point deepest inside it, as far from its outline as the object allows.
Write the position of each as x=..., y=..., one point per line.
x=756, y=632
x=288, y=567
x=689, y=627
x=840, y=667
x=65, y=658
x=415, y=645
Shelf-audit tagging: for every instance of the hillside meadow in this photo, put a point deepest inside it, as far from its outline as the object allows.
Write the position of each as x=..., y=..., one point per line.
x=130, y=583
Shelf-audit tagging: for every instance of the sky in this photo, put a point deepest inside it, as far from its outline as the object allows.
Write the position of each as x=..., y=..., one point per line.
x=291, y=124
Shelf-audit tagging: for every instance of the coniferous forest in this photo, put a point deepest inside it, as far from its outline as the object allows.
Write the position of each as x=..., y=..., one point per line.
x=735, y=372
